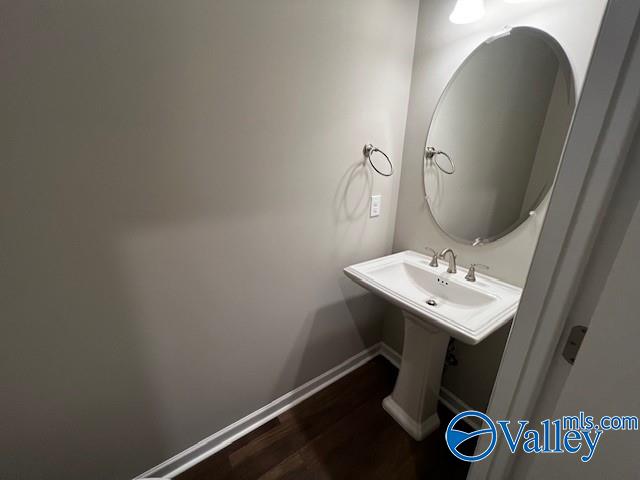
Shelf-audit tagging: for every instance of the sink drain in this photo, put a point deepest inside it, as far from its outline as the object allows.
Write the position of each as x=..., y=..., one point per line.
x=432, y=302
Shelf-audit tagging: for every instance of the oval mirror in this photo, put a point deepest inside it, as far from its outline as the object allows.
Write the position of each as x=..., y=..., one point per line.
x=497, y=135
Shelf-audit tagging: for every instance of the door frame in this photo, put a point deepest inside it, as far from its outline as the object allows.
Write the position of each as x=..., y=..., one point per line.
x=604, y=123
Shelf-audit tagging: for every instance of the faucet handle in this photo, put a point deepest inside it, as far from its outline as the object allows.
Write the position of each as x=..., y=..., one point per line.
x=434, y=257
x=471, y=274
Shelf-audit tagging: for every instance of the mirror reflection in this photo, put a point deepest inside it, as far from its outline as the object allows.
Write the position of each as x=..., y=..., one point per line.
x=497, y=135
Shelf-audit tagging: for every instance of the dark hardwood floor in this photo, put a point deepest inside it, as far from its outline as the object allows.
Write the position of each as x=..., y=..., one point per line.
x=341, y=432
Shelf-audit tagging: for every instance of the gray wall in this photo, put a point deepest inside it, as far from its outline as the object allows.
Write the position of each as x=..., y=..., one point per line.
x=440, y=48
x=180, y=191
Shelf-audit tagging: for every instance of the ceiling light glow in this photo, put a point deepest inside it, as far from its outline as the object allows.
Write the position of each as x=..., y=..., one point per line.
x=467, y=11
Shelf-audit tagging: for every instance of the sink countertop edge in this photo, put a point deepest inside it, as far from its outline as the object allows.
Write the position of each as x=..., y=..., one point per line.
x=501, y=318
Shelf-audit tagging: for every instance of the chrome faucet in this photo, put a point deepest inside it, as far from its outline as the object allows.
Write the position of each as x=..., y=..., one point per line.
x=452, y=259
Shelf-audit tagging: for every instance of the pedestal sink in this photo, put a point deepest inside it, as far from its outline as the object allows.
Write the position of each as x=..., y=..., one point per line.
x=436, y=305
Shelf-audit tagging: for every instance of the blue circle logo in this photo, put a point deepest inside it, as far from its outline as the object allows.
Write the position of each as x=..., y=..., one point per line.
x=455, y=437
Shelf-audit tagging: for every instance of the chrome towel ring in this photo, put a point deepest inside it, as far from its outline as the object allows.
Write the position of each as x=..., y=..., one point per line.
x=431, y=152
x=369, y=150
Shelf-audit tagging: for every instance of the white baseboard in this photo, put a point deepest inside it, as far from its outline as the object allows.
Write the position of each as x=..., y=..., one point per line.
x=390, y=354
x=456, y=405
x=216, y=442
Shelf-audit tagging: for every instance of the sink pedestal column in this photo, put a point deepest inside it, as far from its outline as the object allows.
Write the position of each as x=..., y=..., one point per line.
x=414, y=400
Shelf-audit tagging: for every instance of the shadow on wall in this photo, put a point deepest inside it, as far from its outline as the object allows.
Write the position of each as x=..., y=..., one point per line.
x=161, y=220
x=351, y=200
x=93, y=159
x=324, y=334
x=350, y=205
x=470, y=380
x=355, y=237
x=75, y=381
x=77, y=395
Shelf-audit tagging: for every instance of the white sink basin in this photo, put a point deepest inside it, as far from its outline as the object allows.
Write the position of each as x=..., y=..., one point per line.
x=468, y=311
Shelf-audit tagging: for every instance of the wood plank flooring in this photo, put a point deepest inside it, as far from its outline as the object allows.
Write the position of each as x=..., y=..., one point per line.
x=341, y=432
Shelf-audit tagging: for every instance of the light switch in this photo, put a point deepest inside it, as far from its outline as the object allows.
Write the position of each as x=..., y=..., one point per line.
x=376, y=204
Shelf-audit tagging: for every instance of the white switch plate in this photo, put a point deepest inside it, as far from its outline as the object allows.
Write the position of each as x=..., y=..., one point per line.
x=376, y=205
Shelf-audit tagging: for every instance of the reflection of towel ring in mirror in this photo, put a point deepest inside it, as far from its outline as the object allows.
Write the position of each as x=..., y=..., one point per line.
x=432, y=153
x=369, y=150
